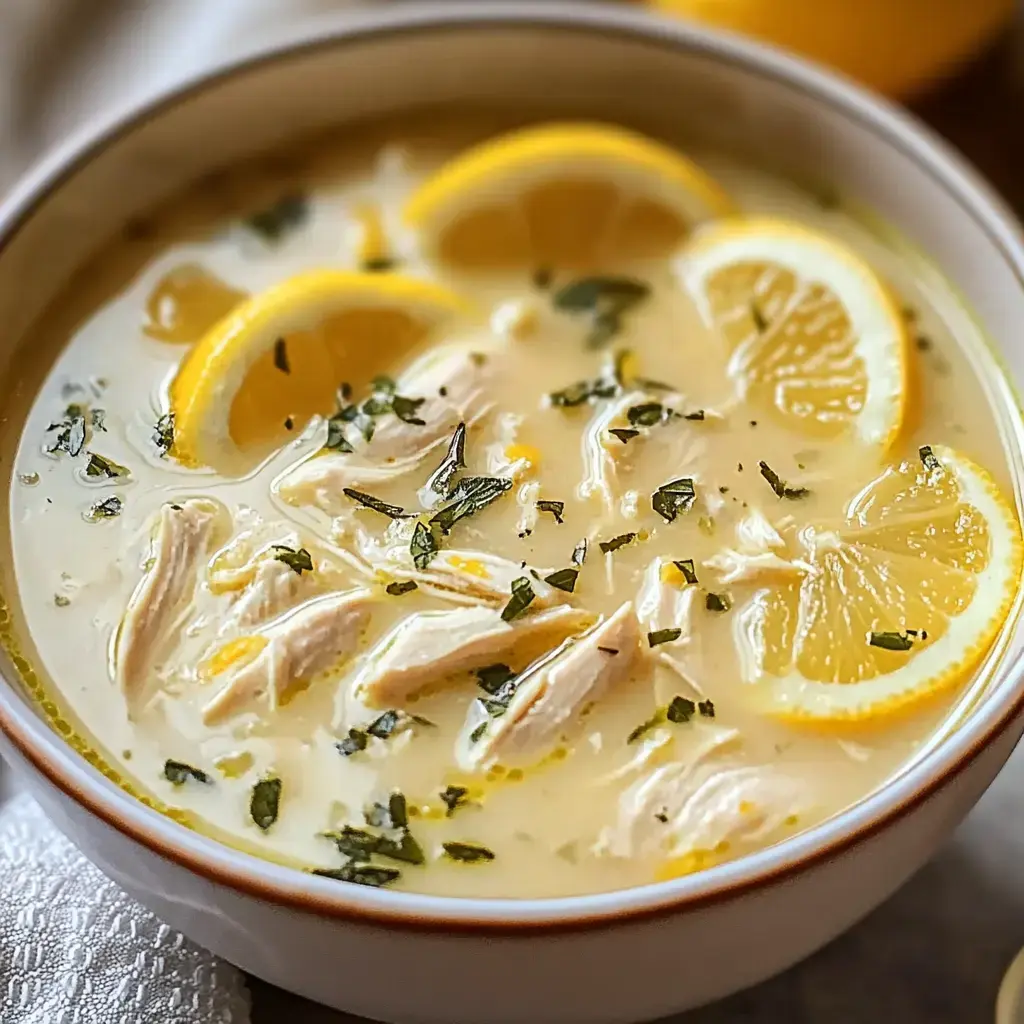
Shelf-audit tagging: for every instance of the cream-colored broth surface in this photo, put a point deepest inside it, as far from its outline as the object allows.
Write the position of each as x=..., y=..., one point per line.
x=577, y=821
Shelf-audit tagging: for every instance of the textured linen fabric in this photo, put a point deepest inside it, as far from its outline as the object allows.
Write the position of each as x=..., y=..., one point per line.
x=75, y=949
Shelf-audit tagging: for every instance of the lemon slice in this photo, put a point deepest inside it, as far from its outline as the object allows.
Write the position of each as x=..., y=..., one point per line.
x=813, y=332
x=259, y=374
x=898, y=603
x=562, y=195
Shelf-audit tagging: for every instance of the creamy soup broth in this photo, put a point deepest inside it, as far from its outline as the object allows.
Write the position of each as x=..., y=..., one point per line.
x=561, y=826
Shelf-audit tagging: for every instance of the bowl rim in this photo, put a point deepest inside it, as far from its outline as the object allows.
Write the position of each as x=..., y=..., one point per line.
x=254, y=877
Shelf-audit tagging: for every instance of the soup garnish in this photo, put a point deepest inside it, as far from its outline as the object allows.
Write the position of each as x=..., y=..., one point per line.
x=529, y=516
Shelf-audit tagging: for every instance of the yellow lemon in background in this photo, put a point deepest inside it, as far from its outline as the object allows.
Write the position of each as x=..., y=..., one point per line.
x=895, y=46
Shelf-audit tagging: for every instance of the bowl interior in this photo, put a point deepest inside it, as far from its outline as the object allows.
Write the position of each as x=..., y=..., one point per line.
x=681, y=85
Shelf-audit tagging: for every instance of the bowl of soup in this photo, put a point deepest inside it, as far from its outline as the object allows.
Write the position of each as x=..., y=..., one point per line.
x=487, y=543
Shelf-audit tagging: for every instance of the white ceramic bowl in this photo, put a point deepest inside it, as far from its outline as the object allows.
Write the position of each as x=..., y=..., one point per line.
x=613, y=957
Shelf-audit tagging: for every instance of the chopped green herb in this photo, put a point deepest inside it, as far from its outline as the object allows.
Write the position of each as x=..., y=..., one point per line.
x=393, y=814
x=281, y=356
x=398, y=589
x=493, y=678
x=478, y=732
x=265, y=802
x=579, y=553
x=298, y=561
x=680, y=709
x=360, y=845
x=697, y=414
x=623, y=434
x=648, y=414
x=778, y=486
x=521, y=599
x=928, y=457
x=454, y=797
x=360, y=874
x=896, y=641
x=664, y=636
x=760, y=322
x=163, y=433
x=608, y=650
x=336, y=440
x=384, y=384
x=556, y=508
x=606, y=299
x=706, y=708
x=379, y=264
x=385, y=724
x=440, y=481
x=685, y=566
x=563, y=579
x=98, y=419
x=98, y=466
x=423, y=546
x=178, y=773
x=406, y=408
x=106, y=508
x=273, y=223
x=674, y=497
x=376, y=505
x=468, y=853
x=61, y=600
x=355, y=741
x=71, y=432
x=716, y=602
x=471, y=495
x=608, y=546
x=645, y=727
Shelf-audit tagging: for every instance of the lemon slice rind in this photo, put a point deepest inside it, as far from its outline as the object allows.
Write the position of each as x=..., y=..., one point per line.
x=945, y=662
x=211, y=374
x=875, y=318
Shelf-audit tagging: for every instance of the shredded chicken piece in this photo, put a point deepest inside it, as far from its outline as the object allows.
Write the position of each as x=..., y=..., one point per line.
x=693, y=806
x=451, y=380
x=429, y=647
x=552, y=695
x=314, y=638
x=181, y=536
x=602, y=452
x=756, y=555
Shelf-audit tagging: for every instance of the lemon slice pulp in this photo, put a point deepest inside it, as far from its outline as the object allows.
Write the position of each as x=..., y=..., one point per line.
x=561, y=195
x=900, y=602
x=259, y=374
x=814, y=334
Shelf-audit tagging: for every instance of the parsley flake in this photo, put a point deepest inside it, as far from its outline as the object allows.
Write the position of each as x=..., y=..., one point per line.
x=163, y=433
x=281, y=356
x=563, y=579
x=397, y=589
x=454, y=797
x=608, y=546
x=265, y=802
x=896, y=641
x=929, y=458
x=781, y=489
x=623, y=434
x=685, y=566
x=106, y=508
x=680, y=709
x=648, y=414
x=178, y=773
x=556, y=508
x=674, y=497
x=423, y=546
x=298, y=561
x=605, y=299
x=355, y=741
x=716, y=602
x=360, y=874
x=521, y=599
x=467, y=853
x=376, y=505
x=98, y=466
x=664, y=636
x=277, y=220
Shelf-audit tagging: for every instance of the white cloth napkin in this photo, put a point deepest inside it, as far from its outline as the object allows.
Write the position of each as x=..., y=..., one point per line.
x=75, y=949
